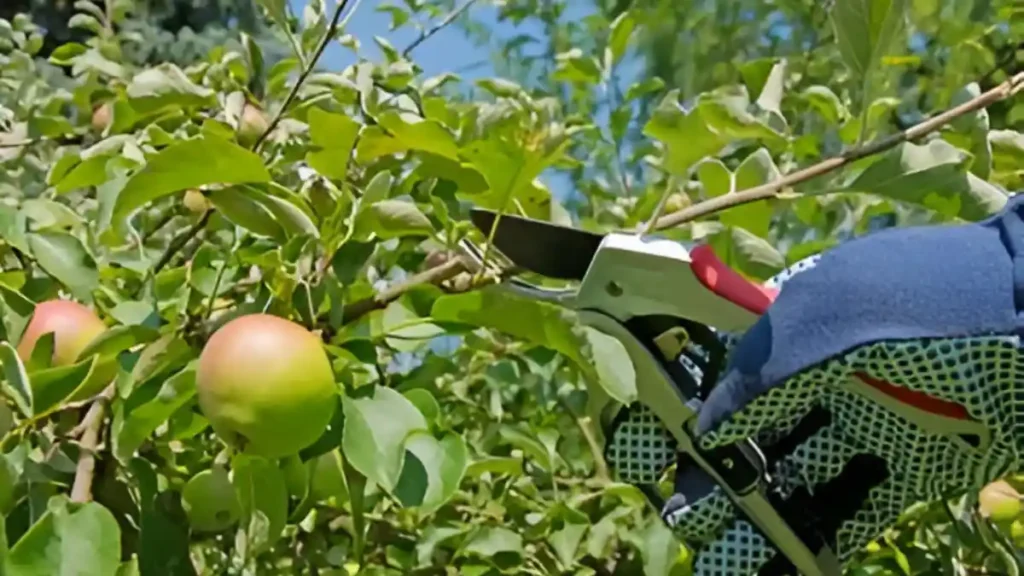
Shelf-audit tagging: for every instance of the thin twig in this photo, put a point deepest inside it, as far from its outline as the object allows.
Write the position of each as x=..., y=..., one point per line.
x=179, y=242
x=306, y=71
x=81, y=490
x=435, y=275
x=771, y=189
x=426, y=34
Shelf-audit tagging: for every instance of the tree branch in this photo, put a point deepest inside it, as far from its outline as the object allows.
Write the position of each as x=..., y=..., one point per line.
x=306, y=71
x=91, y=425
x=435, y=275
x=456, y=265
x=179, y=242
x=426, y=34
x=771, y=189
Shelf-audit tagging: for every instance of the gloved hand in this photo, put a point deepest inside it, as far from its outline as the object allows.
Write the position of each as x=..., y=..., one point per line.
x=886, y=373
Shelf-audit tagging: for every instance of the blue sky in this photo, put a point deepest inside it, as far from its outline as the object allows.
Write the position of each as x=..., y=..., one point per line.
x=450, y=50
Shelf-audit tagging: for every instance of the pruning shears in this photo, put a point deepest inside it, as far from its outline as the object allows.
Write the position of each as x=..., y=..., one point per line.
x=664, y=301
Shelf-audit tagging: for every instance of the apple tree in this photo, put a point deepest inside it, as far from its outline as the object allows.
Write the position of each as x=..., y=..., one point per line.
x=237, y=336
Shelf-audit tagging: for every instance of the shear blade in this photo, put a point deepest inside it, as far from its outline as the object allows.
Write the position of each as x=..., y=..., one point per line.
x=541, y=247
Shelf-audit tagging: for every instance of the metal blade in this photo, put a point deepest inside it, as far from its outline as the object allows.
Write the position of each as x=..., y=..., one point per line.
x=541, y=247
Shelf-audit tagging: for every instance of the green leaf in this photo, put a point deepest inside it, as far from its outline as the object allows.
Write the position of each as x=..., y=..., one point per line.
x=538, y=323
x=425, y=402
x=755, y=170
x=238, y=206
x=376, y=427
x=491, y=541
x=575, y=66
x=292, y=219
x=432, y=470
x=52, y=386
x=748, y=253
x=644, y=87
x=190, y=164
x=65, y=258
x=393, y=219
x=80, y=539
x=333, y=135
x=510, y=169
x=566, y=542
x=622, y=30
x=933, y=175
x=163, y=526
x=615, y=370
x=16, y=382
x=506, y=466
x=166, y=85
x=396, y=132
x=660, y=548
x=826, y=103
x=261, y=488
x=147, y=408
x=867, y=31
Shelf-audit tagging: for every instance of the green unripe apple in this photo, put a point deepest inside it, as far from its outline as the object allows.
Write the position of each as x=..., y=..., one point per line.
x=252, y=123
x=1000, y=502
x=73, y=325
x=1017, y=533
x=266, y=385
x=210, y=501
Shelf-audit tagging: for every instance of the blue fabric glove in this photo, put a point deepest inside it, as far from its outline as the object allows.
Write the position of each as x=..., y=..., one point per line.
x=872, y=341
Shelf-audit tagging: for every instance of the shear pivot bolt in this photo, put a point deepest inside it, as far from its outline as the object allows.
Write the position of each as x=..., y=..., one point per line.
x=614, y=289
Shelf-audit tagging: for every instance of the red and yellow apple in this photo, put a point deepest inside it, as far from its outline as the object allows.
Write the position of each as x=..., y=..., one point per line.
x=73, y=326
x=266, y=385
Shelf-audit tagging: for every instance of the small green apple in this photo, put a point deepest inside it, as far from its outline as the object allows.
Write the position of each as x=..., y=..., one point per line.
x=210, y=502
x=266, y=385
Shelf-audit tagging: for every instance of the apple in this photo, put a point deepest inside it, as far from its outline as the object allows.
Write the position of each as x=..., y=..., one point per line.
x=252, y=123
x=676, y=202
x=1017, y=533
x=101, y=117
x=196, y=202
x=1000, y=502
x=73, y=326
x=266, y=385
x=210, y=501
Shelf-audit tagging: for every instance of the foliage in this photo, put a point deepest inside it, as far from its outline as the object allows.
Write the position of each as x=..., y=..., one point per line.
x=153, y=31
x=461, y=443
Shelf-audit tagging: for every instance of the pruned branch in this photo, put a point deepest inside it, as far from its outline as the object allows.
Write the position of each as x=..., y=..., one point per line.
x=436, y=275
x=771, y=189
x=455, y=266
